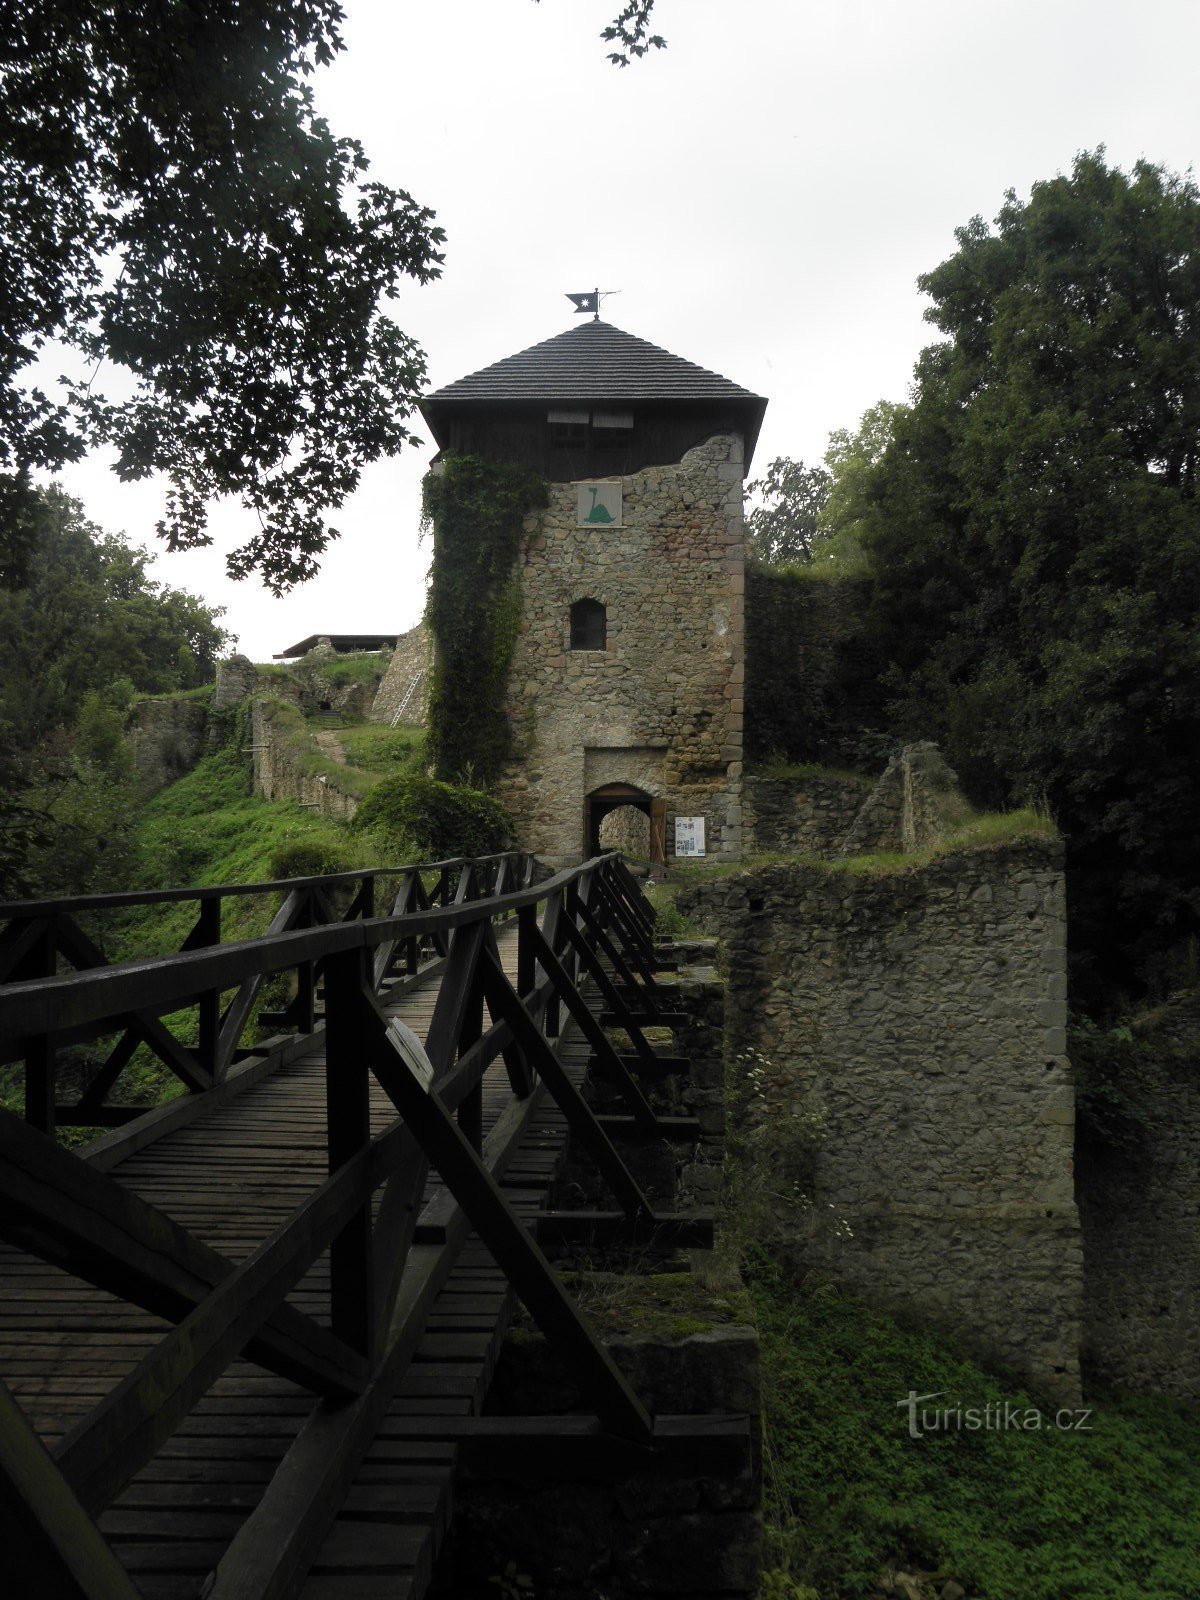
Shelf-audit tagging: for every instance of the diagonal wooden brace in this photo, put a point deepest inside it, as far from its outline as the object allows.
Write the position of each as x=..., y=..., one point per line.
x=618, y=1072
x=502, y=1232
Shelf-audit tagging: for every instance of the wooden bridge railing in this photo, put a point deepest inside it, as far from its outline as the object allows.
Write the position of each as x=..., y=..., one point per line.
x=387, y=1258
x=42, y=937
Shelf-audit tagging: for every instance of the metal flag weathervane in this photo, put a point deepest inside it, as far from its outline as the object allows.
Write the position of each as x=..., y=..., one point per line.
x=591, y=300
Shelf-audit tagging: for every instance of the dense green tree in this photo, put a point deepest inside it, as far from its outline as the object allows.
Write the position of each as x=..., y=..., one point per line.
x=781, y=531
x=86, y=631
x=88, y=619
x=1034, y=531
x=173, y=210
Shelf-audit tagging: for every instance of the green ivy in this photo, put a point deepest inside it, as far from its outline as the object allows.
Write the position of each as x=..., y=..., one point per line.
x=477, y=511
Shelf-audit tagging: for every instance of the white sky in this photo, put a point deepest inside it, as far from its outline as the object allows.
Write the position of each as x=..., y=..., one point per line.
x=764, y=193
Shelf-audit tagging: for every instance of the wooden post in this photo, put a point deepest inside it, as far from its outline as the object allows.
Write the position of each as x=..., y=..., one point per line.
x=306, y=977
x=208, y=931
x=348, y=1103
x=470, y=1112
x=40, y=962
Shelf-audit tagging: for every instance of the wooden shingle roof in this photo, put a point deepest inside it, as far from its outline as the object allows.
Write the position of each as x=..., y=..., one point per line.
x=593, y=361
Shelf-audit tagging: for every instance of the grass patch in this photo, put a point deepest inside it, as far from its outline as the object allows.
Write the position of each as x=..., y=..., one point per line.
x=670, y=922
x=202, y=691
x=1107, y=1514
x=354, y=667
x=988, y=831
x=386, y=751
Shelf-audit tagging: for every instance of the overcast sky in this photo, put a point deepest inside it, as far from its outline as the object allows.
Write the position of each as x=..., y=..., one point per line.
x=763, y=193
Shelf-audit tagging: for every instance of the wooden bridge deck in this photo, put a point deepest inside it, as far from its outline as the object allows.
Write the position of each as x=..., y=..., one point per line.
x=231, y=1178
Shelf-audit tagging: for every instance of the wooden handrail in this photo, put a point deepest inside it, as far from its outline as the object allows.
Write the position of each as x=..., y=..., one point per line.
x=164, y=983
x=152, y=897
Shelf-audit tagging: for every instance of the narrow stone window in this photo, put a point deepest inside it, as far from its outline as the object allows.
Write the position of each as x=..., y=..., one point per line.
x=589, y=625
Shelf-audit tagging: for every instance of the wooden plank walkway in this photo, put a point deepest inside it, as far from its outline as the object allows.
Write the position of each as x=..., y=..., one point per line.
x=231, y=1178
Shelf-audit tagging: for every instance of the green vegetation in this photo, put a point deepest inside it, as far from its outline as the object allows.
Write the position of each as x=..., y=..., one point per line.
x=802, y=771
x=1032, y=529
x=387, y=751
x=477, y=511
x=83, y=634
x=290, y=725
x=434, y=820
x=986, y=831
x=1103, y=1514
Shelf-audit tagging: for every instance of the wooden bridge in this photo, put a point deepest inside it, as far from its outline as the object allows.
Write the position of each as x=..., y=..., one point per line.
x=246, y=1336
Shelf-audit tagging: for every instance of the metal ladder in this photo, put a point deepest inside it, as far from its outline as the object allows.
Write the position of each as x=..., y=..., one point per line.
x=408, y=694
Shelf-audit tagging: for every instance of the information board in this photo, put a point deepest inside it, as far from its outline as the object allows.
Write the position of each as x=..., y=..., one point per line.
x=689, y=836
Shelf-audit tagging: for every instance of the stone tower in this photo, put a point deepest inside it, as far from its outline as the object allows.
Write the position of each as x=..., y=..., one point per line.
x=626, y=687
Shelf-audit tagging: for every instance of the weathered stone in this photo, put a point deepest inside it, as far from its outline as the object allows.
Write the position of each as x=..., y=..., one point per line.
x=913, y=1013
x=168, y=739
x=652, y=709
x=406, y=681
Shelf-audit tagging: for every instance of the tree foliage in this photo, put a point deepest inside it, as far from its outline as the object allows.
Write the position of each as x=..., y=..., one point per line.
x=782, y=530
x=1034, y=531
x=477, y=512
x=174, y=212
x=86, y=632
x=172, y=208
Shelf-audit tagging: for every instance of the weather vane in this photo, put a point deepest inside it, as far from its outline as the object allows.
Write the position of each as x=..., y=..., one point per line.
x=591, y=300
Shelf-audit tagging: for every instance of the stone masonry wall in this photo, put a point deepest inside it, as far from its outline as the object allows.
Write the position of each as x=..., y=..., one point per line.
x=278, y=774
x=925, y=1012
x=412, y=658
x=661, y=706
x=167, y=738
x=1139, y=1201
x=812, y=811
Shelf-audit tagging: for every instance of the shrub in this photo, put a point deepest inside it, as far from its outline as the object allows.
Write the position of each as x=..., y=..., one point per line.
x=309, y=857
x=435, y=819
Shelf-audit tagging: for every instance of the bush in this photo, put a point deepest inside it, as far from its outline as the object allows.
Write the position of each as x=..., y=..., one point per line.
x=435, y=819
x=310, y=857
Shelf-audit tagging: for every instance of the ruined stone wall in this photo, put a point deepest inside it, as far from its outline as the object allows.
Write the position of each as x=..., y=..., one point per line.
x=279, y=773
x=411, y=660
x=303, y=683
x=924, y=1014
x=812, y=811
x=167, y=737
x=661, y=706
x=1138, y=1202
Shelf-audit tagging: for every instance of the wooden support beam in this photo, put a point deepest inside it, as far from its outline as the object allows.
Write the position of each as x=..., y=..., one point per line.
x=594, y=1033
x=51, y=1547
x=237, y=1012
x=578, y=1449
x=84, y=954
x=629, y=984
x=492, y=1217
x=503, y=1003
x=67, y=1212
x=654, y=1019
x=276, y=1545
x=672, y=1231
x=655, y=1071
x=616, y=1003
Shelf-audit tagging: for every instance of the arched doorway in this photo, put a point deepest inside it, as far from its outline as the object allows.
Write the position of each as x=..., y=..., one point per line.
x=613, y=798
